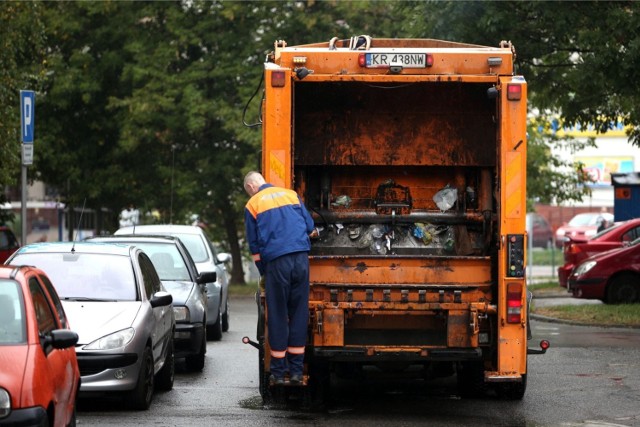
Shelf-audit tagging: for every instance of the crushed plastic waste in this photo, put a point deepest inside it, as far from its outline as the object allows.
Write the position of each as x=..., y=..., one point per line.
x=377, y=232
x=339, y=227
x=449, y=240
x=342, y=200
x=446, y=198
x=354, y=231
x=422, y=232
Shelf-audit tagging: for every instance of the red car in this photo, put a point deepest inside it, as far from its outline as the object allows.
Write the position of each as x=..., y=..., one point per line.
x=611, y=238
x=8, y=243
x=39, y=376
x=612, y=276
x=582, y=226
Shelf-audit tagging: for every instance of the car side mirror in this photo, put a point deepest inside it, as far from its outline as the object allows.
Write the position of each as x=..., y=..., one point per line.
x=160, y=299
x=223, y=257
x=207, y=277
x=61, y=339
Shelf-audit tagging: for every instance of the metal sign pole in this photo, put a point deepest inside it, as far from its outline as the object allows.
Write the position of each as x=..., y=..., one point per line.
x=23, y=208
x=27, y=128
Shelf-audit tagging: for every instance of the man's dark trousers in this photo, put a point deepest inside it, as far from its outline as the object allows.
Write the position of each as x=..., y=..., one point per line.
x=287, y=292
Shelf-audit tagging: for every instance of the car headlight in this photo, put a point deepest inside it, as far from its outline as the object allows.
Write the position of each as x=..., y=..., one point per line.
x=584, y=267
x=5, y=403
x=181, y=314
x=114, y=340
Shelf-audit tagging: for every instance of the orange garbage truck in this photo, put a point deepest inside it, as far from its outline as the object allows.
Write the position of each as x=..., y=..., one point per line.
x=411, y=156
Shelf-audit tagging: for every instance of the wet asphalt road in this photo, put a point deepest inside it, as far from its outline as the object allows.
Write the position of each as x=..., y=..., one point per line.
x=589, y=377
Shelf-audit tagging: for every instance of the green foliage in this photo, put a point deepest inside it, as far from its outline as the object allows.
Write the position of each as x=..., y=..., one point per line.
x=21, y=58
x=579, y=58
x=550, y=179
x=146, y=102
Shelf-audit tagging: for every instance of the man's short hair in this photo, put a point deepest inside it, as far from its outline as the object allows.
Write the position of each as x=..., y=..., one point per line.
x=253, y=177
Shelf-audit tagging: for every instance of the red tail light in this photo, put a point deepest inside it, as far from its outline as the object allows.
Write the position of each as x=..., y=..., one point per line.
x=514, y=302
x=362, y=61
x=514, y=92
x=570, y=251
x=277, y=79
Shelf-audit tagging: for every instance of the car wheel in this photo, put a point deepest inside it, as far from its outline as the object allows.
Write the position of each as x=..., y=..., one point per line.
x=214, y=332
x=623, y=289
x=140, y=397
x=167, y=373
x=195, y=362
x=225, y=318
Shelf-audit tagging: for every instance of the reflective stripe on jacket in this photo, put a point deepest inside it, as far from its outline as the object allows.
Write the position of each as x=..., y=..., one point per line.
x=277, y=223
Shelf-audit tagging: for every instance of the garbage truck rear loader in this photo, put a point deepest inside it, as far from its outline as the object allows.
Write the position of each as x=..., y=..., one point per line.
x=411, y=156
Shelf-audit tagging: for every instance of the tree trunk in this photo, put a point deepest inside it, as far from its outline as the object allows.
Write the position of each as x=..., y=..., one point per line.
x=230, y=225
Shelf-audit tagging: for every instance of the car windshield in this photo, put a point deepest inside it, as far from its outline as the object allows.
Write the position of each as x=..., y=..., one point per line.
x=80, y=276
x=195, y=245
x=166, y=259
x=582, y=220
x=12, y=319
x=605, y=231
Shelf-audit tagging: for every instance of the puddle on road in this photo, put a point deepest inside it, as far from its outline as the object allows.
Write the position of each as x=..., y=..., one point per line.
x=252, y=403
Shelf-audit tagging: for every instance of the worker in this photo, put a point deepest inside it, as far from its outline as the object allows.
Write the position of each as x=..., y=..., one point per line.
x=278, y=229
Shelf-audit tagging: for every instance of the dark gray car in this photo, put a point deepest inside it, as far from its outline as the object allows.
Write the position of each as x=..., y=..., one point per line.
x=207, y=259
x=180, y=277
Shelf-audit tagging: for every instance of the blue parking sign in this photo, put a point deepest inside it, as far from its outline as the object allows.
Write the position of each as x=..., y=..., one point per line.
x=27, y=115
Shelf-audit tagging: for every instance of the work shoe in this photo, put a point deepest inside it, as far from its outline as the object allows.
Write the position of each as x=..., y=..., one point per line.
x=295, y=379
x=276, y=380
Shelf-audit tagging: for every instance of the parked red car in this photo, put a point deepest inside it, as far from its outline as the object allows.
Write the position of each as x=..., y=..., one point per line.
x=611, y=238
x=612, y=276
x=8, y=243
x=39, y=376
x=582, y=226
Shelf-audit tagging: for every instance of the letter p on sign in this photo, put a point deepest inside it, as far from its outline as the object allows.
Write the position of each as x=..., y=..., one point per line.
x=27, y=115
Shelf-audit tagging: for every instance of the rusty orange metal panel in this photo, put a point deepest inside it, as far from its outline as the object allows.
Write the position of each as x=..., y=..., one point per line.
x=515, y=187
x=512, y=339
x=276, y=158
x=447, y=62
x=400, y=270
x=377, y=130
x=333, y=327
x=458, y=329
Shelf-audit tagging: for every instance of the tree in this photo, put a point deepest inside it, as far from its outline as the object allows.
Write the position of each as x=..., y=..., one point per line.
x=580, y=60
x=21, y=57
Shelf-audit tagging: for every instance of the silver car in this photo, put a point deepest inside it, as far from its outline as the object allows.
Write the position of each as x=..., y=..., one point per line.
x=114, y=299
x=207, y=259
x=180, y=277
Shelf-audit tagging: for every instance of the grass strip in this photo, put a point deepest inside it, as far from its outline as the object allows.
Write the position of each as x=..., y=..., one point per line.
x=612, y=315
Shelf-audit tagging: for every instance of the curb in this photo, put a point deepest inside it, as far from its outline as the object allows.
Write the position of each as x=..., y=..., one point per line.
x=548, y=319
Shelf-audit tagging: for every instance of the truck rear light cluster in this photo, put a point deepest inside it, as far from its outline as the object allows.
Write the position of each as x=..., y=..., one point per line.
x=514, y=92
x=277, y=78
x=514, y=302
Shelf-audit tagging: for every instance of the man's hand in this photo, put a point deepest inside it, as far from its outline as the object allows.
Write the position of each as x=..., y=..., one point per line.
x=315, y=233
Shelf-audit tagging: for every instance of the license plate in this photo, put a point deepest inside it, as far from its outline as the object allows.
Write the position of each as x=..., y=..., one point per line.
x=407, y=60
